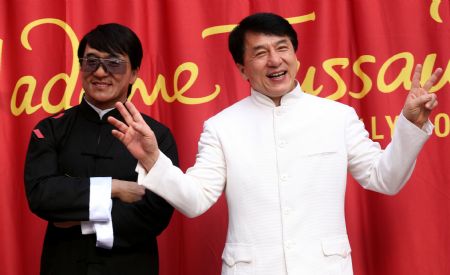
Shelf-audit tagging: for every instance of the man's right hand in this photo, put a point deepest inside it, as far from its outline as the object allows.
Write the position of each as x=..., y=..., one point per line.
x=127, y=191
x=136, y=135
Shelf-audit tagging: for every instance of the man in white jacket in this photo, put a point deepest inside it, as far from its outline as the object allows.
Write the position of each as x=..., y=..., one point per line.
x=282, y=157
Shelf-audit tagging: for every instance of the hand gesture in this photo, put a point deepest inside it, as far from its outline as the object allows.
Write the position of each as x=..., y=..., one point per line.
x=420, y=102
x=136, y=135
x=127, y=191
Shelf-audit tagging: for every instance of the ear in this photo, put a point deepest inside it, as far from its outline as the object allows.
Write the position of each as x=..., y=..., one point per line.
x=134, y=75
x=241, y=69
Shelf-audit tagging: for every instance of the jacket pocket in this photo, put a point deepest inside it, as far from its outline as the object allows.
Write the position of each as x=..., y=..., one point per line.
x=339, y=246
x=336, y=251
x=237, y=259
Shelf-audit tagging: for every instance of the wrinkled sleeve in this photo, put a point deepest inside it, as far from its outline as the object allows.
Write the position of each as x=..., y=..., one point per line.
x=52, y=195
x=196, y=191
x=385, y=171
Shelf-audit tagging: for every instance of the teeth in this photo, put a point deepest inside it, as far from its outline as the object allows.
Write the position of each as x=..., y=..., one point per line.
x=277, y=74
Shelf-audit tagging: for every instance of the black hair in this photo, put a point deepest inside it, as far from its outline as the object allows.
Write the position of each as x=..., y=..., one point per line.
x=266, y=23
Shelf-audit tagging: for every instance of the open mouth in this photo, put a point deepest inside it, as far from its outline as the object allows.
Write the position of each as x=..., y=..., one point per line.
x=100, y=84
x=277, y=75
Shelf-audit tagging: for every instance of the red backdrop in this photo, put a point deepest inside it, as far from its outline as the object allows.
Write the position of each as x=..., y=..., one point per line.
x=361, y=53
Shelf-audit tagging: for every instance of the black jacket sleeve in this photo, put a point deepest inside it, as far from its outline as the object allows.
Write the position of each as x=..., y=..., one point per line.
x=52, y=195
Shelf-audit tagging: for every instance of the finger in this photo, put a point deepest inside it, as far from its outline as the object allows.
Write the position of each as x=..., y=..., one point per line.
x=117, y=123
x=119, y=135
x=433, y=78
x=142, y=128
x=142, y=190
x=124, y=112
x=430, y=105
x=423, y=99
x=137, y=117
x=416, y=76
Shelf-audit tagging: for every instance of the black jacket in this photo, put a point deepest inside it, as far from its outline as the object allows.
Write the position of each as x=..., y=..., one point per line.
x=64, y=152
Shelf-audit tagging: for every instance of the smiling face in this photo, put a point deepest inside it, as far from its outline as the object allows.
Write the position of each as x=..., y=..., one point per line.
x=270, y=64
x=102, y=88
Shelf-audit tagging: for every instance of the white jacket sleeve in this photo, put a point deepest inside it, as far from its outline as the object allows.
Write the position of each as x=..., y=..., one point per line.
x=196, y=191
x=385, y=171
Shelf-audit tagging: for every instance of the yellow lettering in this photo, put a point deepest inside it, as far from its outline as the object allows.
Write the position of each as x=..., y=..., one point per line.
x=375, y=136
x=367, y=82
x=391, y=123
x=446, y=125
x=149, y=99
x=434, y=10
x=217, y=30
x=70, y=80
x=328, y=67
x=25, y=105
x=178, y=93
x=403, y=76
x=308, y=82
x=228, y=28
x=160, y=87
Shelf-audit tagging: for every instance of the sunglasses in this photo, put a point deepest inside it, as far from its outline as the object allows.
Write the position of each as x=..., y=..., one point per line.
x=111, y=65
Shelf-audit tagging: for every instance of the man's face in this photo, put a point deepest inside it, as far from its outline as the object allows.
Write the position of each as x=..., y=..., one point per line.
x=270, y=64
x=104, y=87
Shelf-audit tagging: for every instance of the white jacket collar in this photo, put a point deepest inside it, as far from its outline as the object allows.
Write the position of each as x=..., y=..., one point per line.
x=289, y=99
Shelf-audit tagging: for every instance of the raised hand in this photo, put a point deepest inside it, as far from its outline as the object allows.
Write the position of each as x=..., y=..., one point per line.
x=420, y=102
x=136, y=135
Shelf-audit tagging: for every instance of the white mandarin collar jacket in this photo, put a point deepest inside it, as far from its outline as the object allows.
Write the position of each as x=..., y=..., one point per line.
x=284, y=171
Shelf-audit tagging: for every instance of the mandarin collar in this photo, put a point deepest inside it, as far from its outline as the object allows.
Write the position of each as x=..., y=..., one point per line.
x=93, y=115
x=289, y=99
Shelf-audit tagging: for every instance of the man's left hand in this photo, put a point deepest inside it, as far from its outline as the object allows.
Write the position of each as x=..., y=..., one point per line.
x=420, y=101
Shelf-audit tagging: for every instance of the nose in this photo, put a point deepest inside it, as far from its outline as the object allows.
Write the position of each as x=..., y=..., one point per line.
x=101, y=70
x=274, y=59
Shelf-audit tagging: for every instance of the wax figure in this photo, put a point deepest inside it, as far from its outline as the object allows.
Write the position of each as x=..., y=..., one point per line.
x=82, y=180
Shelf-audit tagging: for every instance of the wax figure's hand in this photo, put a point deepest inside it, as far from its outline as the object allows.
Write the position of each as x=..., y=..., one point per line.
x=136, y=135
x=127, y=191
x=420, y=102
x=66, y=224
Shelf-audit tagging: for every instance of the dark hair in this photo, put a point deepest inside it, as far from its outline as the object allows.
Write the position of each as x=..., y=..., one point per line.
x=266, y=23
x=114, y=38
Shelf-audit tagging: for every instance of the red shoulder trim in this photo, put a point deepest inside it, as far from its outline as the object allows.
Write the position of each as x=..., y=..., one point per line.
x=58, y=116
x=38, y=133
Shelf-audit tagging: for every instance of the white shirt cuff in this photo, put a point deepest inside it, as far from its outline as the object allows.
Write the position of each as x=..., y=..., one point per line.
x=100, y=202
x=104, y=231
x=87, y=228
x=158, y=169
x=105, y=234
